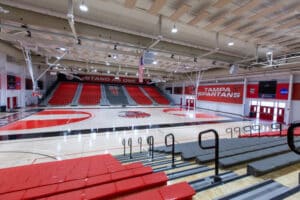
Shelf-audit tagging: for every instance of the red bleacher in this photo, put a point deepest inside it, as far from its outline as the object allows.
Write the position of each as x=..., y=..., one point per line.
x=94, y=177
x=137, y=95
x=156, y=96
x=64, y=94
x=90, y=94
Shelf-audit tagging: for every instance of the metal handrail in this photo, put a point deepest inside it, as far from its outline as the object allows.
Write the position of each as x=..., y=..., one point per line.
x=229, y=130
x=290, y=138
x=248, y=129
x=130, y=147
x=150, y=142
x=140, y=142
x=237, y=129
x=216, y=147
x=124, y=146
x=173, y=146
x=256, y=128
x=277, y=126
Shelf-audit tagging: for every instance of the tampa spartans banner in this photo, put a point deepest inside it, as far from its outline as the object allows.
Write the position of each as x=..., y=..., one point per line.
x=221, y=93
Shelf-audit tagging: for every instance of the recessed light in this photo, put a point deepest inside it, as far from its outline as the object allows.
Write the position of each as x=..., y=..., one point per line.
x=107, y=63
x=83, y=7
x=230, y=43
x=154, y=62
x=108, y=71
x=114, y=56
x=269, y=52
x=62, y=49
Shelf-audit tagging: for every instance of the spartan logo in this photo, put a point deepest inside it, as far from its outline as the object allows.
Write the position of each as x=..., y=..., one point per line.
x=133, y=114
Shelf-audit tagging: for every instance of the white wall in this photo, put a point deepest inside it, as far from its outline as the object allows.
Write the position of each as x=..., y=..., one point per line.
x=24, y=97
x=221, y=107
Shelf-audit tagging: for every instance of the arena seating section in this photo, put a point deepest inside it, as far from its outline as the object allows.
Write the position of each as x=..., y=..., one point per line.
x=137, y=95
x=156, y=96
x=90, y=94
x=64, y=94
x=93, y=177
x=113, y=94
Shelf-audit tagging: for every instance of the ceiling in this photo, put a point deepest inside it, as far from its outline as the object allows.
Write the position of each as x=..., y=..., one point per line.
x=113, y=34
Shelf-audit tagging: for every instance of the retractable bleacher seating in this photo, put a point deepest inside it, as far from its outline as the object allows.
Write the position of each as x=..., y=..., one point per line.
x=64, y=94
x=137, y=95
x=115, y=95
x=94, y=177
x=156, y=95
x=90, y=94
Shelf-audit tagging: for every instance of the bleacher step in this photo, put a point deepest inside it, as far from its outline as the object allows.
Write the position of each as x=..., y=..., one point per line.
x=262, y=191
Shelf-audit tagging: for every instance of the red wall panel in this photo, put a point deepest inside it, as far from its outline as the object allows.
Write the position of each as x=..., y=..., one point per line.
x=221, y=93
x=252, y=91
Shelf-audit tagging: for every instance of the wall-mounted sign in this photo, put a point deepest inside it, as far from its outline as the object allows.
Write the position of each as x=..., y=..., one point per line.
x=221, y=93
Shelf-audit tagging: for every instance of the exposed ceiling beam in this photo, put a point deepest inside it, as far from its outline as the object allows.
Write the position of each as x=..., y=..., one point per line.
x=247, y=7
x=221, y=3
x=184, y=8
x=288, y=24
x=289, y=42
x=231, y=27
x=216, y=21
x=130, y=3
x=266, y=11
x=156, y=6
x=202, y=15
x=278, y=18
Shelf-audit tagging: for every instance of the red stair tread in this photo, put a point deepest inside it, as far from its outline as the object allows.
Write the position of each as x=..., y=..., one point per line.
x=177, y=191
x=154, y=179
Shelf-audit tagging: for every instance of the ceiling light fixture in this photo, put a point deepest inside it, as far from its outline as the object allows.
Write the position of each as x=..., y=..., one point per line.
x=230, y=43
x=114, y=56
x=83, y=7
x=107, y=63
x=108, y=71
x=174, y=29
x=269, y=53
x=154, y=62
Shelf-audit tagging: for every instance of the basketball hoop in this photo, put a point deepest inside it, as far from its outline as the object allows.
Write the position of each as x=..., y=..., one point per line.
x=37, y=94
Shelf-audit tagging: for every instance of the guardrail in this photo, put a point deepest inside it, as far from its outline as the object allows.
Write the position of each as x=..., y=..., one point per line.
x=140, y=142
x=150, y=142
x=172, y=145
x=291, y=136
x=216, y=147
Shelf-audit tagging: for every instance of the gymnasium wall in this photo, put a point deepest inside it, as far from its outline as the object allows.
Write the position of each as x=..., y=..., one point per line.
x=244, y=109
x=8, y=67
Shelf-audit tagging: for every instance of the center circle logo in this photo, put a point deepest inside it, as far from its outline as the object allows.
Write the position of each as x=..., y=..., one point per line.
x=133, y=114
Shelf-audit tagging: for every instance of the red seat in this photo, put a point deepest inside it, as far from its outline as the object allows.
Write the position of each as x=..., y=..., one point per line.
x=115, y=189
x=90, y=94
x=137, y=95
x=87, y=182
x=179, y=191
x=156, y=96
x=64, y=94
